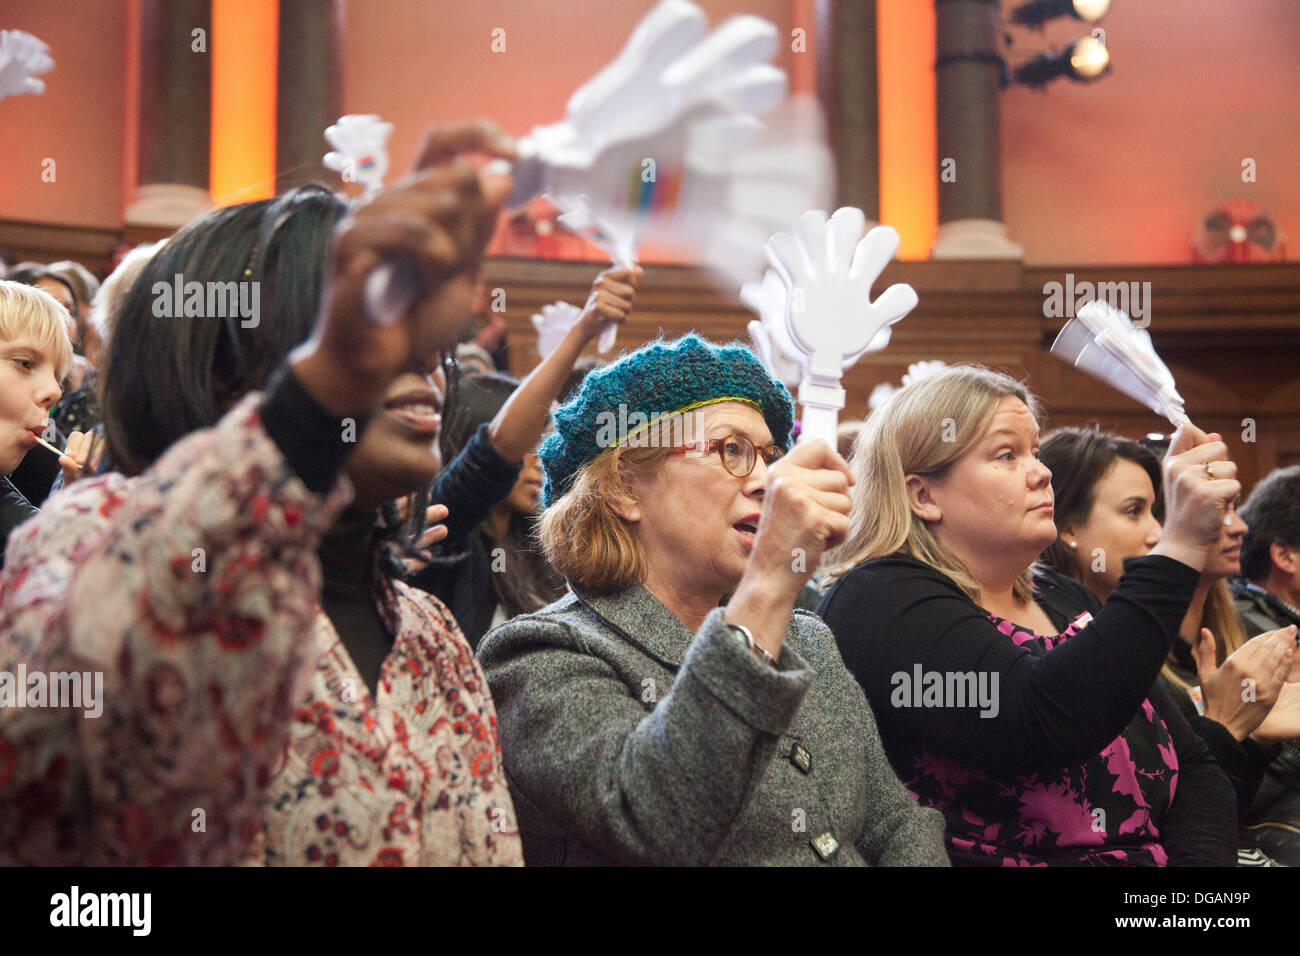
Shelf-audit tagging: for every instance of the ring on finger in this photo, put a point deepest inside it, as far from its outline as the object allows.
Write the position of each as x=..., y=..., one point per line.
x=1209, y=470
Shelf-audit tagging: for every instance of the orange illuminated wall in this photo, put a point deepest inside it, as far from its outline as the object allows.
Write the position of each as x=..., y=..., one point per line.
x=61, y=152
x=243, y=50
x=1134, y=162
x=131, y=117
x=803, y=65
x=909, y=186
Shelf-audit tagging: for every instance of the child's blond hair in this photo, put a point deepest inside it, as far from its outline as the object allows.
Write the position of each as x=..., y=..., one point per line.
x=32, y=313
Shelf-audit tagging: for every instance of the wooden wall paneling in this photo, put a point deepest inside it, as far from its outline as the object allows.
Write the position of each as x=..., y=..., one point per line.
x=43, y=242
x=1231, y=335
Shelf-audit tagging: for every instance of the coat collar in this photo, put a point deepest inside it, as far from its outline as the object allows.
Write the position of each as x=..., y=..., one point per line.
x=645, y=621
x=641, y=618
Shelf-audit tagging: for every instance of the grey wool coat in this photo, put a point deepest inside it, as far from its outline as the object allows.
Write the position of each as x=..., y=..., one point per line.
x=629, y=740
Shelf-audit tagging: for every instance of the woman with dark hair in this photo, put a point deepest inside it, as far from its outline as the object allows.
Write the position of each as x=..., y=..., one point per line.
x=494, y=572
x=345, y=727
x=182, y=372
x=1105, y=515
x=1014, y=702
x=1107, y=507
x=492, y=484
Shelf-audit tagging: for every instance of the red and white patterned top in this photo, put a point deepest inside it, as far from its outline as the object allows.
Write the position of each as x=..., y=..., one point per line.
x=235, y=728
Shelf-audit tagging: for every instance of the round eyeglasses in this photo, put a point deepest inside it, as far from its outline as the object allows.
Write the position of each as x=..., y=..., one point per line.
x=738, y=453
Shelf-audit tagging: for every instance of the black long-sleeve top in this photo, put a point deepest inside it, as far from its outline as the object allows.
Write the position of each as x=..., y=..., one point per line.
x=14, y=510
x=476, y=479
x=890, y=613
x=1196, y=822
x=1061, y=704
x=460, y=574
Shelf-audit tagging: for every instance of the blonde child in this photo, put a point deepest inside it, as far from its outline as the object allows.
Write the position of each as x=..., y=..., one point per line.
x=35, y=356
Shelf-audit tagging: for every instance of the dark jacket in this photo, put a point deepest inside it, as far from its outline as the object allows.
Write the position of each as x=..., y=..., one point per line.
x=460, y=574
x=14, y=510
x=1272, y=820
x=1259, y=610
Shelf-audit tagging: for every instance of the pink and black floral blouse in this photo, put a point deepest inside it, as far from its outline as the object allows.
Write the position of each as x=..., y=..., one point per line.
x=1077, y=756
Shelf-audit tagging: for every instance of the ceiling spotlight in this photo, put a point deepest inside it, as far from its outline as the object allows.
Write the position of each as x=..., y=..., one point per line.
x=1084, y=60
x=1089, y=58
x=1037, y=12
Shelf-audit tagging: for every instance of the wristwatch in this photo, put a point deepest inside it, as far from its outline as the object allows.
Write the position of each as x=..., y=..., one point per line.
x=746, y=637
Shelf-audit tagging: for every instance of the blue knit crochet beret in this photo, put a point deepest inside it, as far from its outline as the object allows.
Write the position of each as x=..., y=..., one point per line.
x=652, y=384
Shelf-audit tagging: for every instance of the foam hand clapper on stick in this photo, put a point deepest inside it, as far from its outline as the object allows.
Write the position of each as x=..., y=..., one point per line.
x=360, y=155
x=669, y=77
x=828, y=268
x=771, y=335
x=1102, y=341
x=650, y=147
x=716, y=191
x=553, y=324
x=23, y=58
x=360, y=152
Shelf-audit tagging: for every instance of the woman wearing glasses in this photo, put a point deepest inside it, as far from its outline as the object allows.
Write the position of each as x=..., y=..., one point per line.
x=642, y=720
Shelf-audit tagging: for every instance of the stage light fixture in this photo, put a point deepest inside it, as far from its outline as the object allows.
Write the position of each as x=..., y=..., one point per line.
x=1037, y=12
x=1086, y=59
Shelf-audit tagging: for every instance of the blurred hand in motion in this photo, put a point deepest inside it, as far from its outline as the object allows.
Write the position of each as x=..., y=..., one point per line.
x=1241, y=692
x=439, y=221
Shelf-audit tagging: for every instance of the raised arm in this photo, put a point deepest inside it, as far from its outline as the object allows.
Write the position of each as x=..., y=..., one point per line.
x=897, y=620
x=476, y=479
x=895, y=615
x=489, y=464
x=517, y=428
